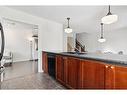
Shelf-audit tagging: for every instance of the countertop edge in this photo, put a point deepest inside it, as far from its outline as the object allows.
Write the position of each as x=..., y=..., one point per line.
x=112, y=62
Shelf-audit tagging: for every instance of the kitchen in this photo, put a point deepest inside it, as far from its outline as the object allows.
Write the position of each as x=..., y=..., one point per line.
x=80, y=47
x=91, y=61
x=75, y=50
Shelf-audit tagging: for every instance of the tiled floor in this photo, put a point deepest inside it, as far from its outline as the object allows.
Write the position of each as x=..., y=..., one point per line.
x=33, y=81
x=24, y=75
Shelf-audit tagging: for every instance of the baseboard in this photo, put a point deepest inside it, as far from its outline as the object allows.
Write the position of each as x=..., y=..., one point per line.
x=25, y=60
x=34, y=60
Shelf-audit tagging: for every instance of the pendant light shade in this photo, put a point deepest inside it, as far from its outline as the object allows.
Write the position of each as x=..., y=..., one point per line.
x=68, y=29
x=102, y=39
x=109, y=18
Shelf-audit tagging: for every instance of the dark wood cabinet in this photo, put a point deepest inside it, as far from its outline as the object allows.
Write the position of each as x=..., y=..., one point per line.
x=92, y=75
x=72, y=72
x=116, y=77
x=109, y=76
x=80, y=74
x=76, y=73
x=67, y=71
x=120, y=74
x=61, y=69
x=45, y=62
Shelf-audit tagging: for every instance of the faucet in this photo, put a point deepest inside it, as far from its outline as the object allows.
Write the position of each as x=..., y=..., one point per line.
x=76, y=50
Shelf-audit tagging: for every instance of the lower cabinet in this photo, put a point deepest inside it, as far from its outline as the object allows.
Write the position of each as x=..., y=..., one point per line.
x=120, y=74
x=109, y=77
x=76, y=73
x=116, y=77
x=80, y=74
x=44, y=62
x=67, y=71
x=92, y=75
x=72, y=72
x=61, y=69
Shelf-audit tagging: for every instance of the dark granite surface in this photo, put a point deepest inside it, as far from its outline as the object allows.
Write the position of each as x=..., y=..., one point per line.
x=113, y=59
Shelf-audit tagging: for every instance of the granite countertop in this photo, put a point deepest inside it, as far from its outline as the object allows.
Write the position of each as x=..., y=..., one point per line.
x=114, y=59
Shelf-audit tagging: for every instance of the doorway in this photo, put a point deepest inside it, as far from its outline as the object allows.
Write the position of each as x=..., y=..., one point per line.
x=21, y=48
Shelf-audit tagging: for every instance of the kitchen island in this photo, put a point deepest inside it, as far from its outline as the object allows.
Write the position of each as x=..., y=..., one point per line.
x=89, y=70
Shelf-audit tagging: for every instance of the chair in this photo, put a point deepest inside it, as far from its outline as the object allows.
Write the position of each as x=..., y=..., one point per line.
x=7, y=58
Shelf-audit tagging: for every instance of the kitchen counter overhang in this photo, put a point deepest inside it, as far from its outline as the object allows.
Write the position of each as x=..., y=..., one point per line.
x=113, y=59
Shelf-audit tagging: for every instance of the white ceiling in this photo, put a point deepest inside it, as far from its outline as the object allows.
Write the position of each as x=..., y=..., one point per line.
x=12, y=23
x=83, y=18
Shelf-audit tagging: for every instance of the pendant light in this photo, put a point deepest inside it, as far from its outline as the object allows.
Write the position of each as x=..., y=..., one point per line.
x=68, y=29
x=109, y=18
x=102, y=39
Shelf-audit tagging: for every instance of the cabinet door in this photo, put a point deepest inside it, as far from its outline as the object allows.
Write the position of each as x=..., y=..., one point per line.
x=120, y=77
x=72, y=72
x=44, y=62
x=116, y=77
x=92, y=74
x=109, y=77
x=59, y=68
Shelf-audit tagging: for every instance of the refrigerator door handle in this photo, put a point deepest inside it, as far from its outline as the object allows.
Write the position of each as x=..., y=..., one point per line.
x=2, y=41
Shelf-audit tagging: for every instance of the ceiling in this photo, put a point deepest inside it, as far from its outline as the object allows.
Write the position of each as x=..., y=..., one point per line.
x=83, y=18
x=12, y=24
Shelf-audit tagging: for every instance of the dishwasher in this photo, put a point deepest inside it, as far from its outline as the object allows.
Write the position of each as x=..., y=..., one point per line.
x=51, y=64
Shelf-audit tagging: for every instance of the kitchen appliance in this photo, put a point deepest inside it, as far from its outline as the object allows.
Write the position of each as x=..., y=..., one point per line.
x=51, y=65
x=1, y=52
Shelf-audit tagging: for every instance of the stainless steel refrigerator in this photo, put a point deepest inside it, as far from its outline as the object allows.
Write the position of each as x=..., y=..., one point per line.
x=1, y=51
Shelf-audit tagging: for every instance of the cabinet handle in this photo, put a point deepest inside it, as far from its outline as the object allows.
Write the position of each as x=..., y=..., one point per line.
x=112, y=67
x=106, y=66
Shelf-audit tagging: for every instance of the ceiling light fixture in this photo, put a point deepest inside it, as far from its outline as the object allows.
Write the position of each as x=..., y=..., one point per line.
x=102, y=39
x=109, y=18
x=68, y=29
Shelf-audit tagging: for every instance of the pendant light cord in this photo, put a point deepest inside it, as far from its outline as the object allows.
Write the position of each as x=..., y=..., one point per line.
x=109, y=11
x=68, y=22
x=101, y=30
x=109, y=8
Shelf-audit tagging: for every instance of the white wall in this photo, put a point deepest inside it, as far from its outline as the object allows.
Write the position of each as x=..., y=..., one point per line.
x=51, y=38
x=50, y=33
x=115, y=41
x=17, y=39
